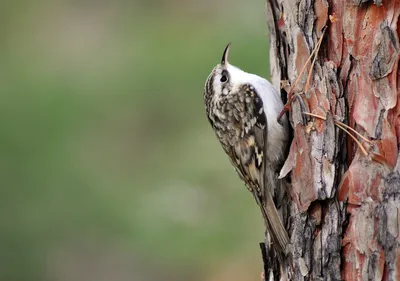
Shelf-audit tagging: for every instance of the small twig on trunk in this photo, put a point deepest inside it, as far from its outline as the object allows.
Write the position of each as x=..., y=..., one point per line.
x=344, y=127
x=290, y=95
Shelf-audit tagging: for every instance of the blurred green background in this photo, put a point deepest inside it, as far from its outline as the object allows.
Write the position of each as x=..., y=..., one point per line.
x=109, y=168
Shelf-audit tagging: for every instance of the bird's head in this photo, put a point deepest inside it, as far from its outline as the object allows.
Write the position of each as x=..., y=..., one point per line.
x=224, y=78
x=219, y=81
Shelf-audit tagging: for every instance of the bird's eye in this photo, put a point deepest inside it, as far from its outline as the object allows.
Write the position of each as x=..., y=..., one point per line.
x=223, y=79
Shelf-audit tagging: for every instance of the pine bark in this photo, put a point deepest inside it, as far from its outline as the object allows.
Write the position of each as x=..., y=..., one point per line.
x=343, y=215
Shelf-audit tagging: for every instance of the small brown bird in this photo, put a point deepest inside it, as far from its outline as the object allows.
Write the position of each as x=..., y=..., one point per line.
x=243, y=109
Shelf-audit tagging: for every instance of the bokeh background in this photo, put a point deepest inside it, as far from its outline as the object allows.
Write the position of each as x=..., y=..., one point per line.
x=109, y=169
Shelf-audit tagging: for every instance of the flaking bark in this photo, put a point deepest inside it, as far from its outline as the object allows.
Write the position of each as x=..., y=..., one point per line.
x=343, y=212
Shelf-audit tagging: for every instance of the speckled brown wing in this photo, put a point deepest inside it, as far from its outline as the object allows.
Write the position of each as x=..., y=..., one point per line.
x=249, y=157
x=247, y=152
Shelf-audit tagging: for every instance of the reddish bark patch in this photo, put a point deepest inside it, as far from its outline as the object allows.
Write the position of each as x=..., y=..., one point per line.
x=301, y=59
x=361, y=183
x=302, y=181
x=366, y=105
x=364, y=258
x=394, y=115
x=319, y=106
x=281, y=22
x=335, y=38
x=321, y=12
x=387, y=146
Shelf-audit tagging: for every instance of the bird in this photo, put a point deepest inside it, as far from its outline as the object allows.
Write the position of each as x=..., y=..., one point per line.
x=243, y=110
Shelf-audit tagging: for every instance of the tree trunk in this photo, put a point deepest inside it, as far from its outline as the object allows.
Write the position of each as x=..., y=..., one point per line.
x=344, y=215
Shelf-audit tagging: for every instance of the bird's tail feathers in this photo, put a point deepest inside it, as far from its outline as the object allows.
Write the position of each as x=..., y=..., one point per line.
x=274, y=224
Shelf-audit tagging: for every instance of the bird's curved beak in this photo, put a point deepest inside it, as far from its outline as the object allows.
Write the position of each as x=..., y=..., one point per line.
x=225, y=55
